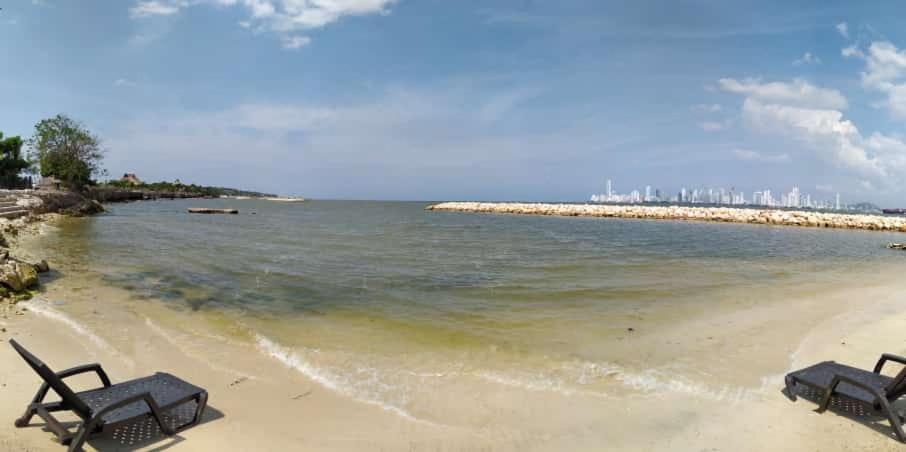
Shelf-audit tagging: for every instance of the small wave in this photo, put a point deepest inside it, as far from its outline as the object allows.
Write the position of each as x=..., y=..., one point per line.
x=570, y=378
x=41, y=307
x=656, y=381
x=536, y=384
x=334, y=381
x=168, y=336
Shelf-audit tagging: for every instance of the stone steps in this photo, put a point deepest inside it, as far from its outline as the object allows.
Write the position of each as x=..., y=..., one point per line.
x=11, y=208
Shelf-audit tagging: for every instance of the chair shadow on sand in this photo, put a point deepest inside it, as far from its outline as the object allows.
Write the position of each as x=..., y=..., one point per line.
x=145, y=434
x=851, y=410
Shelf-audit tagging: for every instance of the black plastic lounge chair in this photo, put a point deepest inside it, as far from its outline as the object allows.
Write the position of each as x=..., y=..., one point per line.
x=869, y=389
x=109, y=406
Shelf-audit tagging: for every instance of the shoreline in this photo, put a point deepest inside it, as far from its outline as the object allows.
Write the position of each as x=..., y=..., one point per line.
x=684, y=213
x=78, y=318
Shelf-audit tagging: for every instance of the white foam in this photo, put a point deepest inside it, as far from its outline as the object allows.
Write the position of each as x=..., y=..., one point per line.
x=569, y=379
x=168, y=336
x=42, y=308
x=361, y=388
x=656, y=381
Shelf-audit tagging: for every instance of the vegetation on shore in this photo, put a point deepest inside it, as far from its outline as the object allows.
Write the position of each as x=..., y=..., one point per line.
x=178, y=187
x=13, y=163
x=65, y=149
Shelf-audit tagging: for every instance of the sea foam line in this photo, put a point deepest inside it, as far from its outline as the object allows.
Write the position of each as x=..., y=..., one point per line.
x=168, y=336
x=42, y=308
x=326, y=378
x=653, y=382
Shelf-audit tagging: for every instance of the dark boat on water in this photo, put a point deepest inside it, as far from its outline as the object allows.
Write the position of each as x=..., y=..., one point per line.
x=894, y=211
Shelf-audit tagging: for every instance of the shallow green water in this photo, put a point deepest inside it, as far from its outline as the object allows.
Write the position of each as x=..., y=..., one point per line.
x=389, y=303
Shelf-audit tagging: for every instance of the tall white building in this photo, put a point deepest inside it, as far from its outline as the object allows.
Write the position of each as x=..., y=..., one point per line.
x=609, y=191
x=647, y=193
x=838, y=201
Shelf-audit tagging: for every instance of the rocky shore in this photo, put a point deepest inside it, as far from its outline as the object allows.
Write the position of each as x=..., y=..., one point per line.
x=18, y=278
x=716, y=214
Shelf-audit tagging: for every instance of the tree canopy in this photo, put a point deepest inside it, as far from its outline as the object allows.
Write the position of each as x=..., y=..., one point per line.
x=12, y=163
x=66, y=150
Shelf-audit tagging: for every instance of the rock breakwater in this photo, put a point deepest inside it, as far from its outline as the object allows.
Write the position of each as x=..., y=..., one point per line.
x=715, y=214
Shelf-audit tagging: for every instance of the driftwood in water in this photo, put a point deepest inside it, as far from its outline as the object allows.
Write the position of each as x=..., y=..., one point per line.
x=207, y=210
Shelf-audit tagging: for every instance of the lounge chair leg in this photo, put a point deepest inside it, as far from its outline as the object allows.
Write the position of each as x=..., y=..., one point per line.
x=790, y=387
x=78, y=439
x=26, y=418
x=894, y=419
x=202, y=402
x=826, y=400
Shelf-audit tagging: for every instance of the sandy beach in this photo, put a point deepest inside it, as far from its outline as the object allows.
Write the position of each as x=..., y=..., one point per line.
x=258, y=404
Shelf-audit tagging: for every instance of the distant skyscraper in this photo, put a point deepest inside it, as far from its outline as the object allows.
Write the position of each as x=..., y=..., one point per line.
x=647, y=193
x=609, y=189
x=838, y=201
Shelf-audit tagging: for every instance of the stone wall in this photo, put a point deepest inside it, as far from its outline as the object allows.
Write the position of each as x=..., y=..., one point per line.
x=717, y=214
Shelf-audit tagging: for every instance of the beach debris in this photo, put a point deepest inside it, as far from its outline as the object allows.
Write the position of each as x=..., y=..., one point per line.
x=209, y=210
x=238, y=381
x=630, y=329
x=305, y=394
x=42, y=267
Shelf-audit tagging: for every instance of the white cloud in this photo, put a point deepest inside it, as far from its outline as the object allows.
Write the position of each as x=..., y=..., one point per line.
x=755, y=156
x=708, y=108
x=149, y=8
x=124, y=83
x=851, y=51
x=885, y=72
x=807, y=59
x=799, y=93
x=280, y=16
x=819, y=127
x=711, y=126
x=843, y=29
x=295, y=42
x=829, y=135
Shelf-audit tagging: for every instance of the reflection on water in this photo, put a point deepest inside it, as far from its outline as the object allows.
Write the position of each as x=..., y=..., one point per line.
x=391, y=304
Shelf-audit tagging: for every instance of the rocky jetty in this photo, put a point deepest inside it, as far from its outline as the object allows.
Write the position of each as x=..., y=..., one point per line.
x=716, y=214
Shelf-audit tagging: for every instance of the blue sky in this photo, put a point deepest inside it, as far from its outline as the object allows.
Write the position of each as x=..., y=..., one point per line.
x=432, y=99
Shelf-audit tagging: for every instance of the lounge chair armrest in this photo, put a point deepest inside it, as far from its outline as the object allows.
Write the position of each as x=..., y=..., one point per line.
x=888, y=357
x=844, y=379
x=96, y=368
x=142, y=397
x=825, y=402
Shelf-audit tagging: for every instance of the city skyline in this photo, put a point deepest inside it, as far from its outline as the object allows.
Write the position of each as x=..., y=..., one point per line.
x=766, y=197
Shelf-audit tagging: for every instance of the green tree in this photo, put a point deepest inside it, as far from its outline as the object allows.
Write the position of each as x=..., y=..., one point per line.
x=66, y=150
x=12, y=163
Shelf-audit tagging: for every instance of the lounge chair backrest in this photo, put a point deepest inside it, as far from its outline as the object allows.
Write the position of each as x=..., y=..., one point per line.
x=897, y=387
x=67, y=395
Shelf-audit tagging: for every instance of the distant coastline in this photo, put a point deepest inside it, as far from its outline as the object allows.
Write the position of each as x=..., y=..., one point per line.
x=714, y=214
